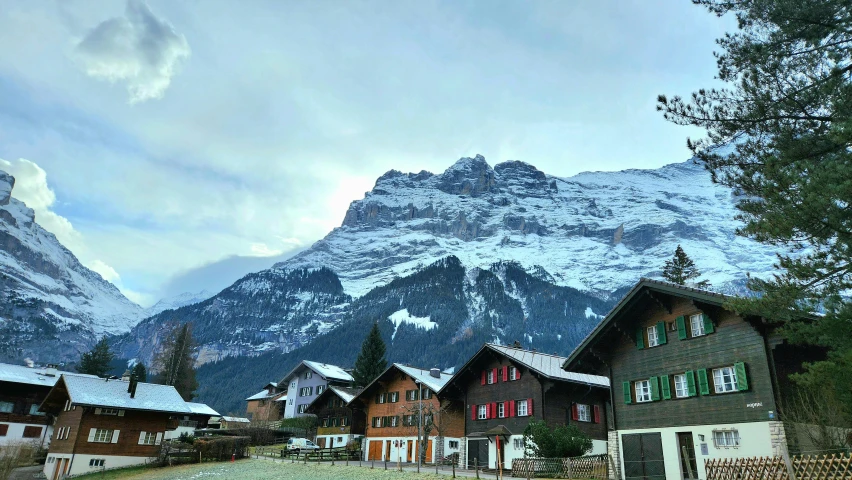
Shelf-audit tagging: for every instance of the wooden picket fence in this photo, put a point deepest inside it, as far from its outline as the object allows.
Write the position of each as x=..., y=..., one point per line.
x=808, y=467
x=589, y=467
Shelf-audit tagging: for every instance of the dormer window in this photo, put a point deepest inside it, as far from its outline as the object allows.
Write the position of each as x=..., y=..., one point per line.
x=653, y=338
x=309, y=374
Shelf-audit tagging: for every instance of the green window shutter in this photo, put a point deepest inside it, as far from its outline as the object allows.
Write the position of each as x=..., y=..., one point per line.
x=640, y=338
x=742, y=377
x=703, y=385
x=655, y=389
x=661, y=332
x=681, y=327
x=627, y=396
x=666, y=387
x=708, y=324
x=690, y=383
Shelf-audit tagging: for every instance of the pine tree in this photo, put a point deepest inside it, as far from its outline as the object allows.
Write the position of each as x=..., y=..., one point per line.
x=97, y=360
x=140, y=373
x=780, y=136
x=681, y=269
x=371, y=360
x=175, y=361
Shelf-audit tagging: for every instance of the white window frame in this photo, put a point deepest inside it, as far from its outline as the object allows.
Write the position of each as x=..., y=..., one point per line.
x=518, y=443
x=320, y=389
x=482, y=412
x=308, y=375
x=696, y=324
x=394, y=397
x=653, y=337
x=454, y=444
x=302, y=407
x=34, y=410
x=148, y=438
x=501, y=410
x=103, y=435
x=725, y=379
x=643, y=390
x=523, y=408
x=293, y=385
x=726, y=438
x=490, y=377
x=584, y=413
x=7, y=407
x=306, y=391
x=681, y=386
x=513, y=373
x=96, y=462
x=110, y=411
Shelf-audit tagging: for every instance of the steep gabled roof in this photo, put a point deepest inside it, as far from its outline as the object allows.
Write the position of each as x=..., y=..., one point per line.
x=705, y=296
x=417, y=374
x=346, y=394
x=201, y=409
x=261, y=395
x=99, y=392
x=33, y=375
x=327, y=371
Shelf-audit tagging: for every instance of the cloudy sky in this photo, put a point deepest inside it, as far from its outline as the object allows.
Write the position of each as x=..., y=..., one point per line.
x=173, y=145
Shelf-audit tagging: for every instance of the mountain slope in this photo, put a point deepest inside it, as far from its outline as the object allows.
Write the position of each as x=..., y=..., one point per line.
x=51, y=306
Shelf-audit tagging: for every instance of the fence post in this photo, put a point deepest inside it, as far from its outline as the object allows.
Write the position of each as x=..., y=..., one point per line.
x=454, y=468
x=789, y=465
x=685, y=454
x=476, y=466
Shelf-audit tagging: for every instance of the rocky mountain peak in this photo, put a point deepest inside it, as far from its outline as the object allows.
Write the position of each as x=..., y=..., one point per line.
x=7, y=183
x=468, y=176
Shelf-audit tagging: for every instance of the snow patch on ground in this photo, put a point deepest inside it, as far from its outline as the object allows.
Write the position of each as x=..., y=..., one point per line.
x=402, y=316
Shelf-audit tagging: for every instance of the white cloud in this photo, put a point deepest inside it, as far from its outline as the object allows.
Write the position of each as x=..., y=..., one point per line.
x=138, y=48
x=105, y=271
x=263, y=250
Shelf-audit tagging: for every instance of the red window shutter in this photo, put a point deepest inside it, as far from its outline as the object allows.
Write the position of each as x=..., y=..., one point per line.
x=505, y=373
x=494, y=410
x=575, y=413
x=517, y=373
x=473, y=412
x=529, y=407
x=490, y=414
x=483, y=377
x=597, y=413
x=494, y=371
x=511, y=408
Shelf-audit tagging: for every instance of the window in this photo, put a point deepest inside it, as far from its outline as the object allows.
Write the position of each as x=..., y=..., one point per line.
x=6, y=407
x=381, y=398
x=374, y=422
x=643, y=391
x=32, y=432
x=107, y=411
x=62, y=433
x=519, y=443
x=334, y=422
x=522, y=408
x=306, y=391
x=726, y=438
x=653, y=339
x=681, y=389
x=501, y=410
x=584, y=413
x=696, y=322
x=339, y=439
x=303, y=407
x=67, y=405
x=412, y=395
x=325, y=422
x=725, y=379
x=96, y=462
x=309, y=374
x=454, y=444
x=291, y=401
x=293, y=385
x=491, y=377
x=344, y=422
x=34, y=410
x=147, y=438
x=394, y=421
x=481, y=412
x=320, y=389
x=102, y=435
x=393, y=397
x=427, y=394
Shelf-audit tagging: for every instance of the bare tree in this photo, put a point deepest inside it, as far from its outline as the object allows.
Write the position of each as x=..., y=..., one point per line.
x=819, y=418
x=436, y=418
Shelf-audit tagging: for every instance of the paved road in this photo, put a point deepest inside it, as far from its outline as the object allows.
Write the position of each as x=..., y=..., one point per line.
x=443, y=470
x=27, y=473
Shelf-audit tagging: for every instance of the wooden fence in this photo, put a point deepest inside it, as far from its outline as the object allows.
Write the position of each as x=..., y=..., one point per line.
x=321, y=455
x=809, y=467
x=588, y=467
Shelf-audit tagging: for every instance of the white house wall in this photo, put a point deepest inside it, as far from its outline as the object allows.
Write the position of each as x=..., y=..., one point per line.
x=401, y=452
x=15, y=434
x=599, y=447
x=757, y=439
x=80, y=463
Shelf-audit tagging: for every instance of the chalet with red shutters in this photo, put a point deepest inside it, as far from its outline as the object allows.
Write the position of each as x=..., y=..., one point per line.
x=505, y=388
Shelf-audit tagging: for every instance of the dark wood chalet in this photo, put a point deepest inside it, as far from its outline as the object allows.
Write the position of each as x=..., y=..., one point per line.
x=504, y=388
x=338, y=422
x=691, y=380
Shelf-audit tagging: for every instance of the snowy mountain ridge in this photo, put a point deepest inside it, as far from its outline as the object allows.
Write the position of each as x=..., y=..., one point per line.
x=47, y=294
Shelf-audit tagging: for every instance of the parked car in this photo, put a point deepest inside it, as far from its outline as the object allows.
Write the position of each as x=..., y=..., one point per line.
x=299, y=444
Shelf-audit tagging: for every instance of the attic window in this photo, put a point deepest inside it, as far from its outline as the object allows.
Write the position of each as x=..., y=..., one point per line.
x=697, y=323
x=653, y=339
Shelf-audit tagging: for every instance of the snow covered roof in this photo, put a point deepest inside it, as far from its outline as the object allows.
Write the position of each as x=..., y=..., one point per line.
x=548, y=365
x=261, y=395
x=201, y=409
x=236, y=419
x=100, y=392
x=346, y=394
x=423, y=376
x=32, y=376
x=327, y=371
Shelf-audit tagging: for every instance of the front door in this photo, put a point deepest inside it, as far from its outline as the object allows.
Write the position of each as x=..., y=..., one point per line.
x=375, y=450
x=643, y=456
x=688, y=463
x=477, y=453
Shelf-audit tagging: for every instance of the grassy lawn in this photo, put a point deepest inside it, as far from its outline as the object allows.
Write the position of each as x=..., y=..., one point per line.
x=250, y=469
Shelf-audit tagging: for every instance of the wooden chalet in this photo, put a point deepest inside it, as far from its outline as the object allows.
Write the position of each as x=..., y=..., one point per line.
x=338, y=422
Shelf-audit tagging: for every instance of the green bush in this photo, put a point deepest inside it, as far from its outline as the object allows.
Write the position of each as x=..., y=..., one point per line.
x=221, y=448
x=562, y=441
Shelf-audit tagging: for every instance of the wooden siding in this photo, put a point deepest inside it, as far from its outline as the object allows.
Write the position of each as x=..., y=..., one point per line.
x=23, y=396
x=395, y=381
x=130, y=426
x=70, y=419
x=734, y=340
x=557, y=407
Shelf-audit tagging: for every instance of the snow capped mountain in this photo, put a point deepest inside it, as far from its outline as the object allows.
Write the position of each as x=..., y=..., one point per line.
x=520, y=255
x=596, y=232
x=177, y=301
x=52, y=306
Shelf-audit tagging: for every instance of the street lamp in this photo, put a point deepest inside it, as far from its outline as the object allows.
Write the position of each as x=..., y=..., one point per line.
x=419, y=421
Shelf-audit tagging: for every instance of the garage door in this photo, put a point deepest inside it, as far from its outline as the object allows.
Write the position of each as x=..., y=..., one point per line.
x=477, y=453
x=643, y=456
x=374, y=451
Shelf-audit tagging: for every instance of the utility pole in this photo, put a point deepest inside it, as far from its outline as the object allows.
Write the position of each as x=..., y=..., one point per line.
x=419, y=423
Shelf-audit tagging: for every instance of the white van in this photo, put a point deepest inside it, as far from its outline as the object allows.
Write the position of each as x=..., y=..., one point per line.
x=299, y=444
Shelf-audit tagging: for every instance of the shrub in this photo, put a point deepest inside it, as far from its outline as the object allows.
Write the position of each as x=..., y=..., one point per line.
x=221, y=448
x=186, y=437
x=561, y=442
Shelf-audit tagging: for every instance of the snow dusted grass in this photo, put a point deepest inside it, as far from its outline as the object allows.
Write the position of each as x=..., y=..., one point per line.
x=252, y=469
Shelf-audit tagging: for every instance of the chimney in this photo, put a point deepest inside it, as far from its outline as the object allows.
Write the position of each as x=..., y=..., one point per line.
x=50, y=370
x=131, y=388
x=435, y=372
